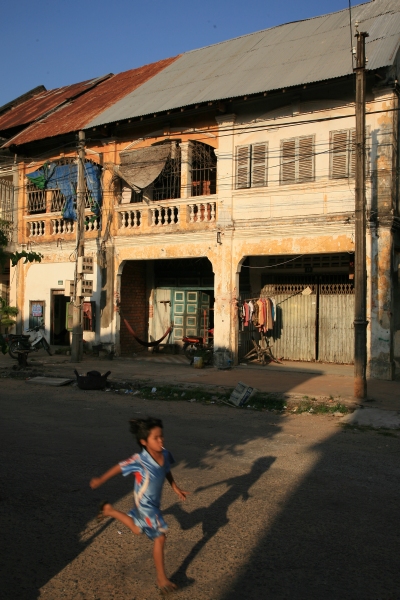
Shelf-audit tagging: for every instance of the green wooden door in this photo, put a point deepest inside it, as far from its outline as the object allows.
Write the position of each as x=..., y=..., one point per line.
x=188, y=313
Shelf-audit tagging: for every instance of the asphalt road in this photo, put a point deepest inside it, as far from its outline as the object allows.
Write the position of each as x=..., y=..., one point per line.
x=290, y=507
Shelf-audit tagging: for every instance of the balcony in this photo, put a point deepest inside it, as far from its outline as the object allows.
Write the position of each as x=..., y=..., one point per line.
x=173, y=215
x=44, y=220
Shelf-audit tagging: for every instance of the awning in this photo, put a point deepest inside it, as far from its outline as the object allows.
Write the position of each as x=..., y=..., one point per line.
x=141, y=167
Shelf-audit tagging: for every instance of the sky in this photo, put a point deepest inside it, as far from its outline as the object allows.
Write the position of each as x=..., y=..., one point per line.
x=56, y=43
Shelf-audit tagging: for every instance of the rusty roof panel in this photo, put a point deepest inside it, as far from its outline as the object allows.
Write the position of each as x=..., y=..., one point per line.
x=80, y=111
x=42, y=103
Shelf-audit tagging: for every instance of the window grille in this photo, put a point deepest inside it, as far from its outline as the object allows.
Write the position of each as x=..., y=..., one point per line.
x=204, y=170
x=168, y=184
x=251, y=166
x=36, y=199
x=342, y=153
x=297, y=160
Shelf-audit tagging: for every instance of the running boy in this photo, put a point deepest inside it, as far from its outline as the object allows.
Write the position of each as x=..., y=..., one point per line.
x=150, y=468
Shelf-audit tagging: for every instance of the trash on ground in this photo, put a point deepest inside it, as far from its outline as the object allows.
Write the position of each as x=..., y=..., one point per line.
x=93, y=380
x=192, y=400
x=153, y=390
x=198, y=362
x=241, y=394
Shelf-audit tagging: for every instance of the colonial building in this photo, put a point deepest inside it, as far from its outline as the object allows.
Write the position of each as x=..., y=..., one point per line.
x=214, y=177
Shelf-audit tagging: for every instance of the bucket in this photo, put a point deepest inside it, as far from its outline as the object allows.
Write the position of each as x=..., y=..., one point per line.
x=198, y=362
x=223, y=359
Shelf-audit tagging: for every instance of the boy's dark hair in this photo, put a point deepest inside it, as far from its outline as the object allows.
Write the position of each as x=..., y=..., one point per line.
x=141, y=428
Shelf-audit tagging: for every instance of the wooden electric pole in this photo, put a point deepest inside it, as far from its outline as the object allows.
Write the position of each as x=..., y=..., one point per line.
x=360, y=269
x=77, y=326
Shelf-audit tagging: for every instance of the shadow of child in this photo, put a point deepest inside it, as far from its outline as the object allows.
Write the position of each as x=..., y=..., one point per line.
x=215, y=516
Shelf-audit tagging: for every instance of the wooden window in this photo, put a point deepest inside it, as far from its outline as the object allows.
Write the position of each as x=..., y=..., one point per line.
x=251, y=166
x=343, y=155
x=297, y=160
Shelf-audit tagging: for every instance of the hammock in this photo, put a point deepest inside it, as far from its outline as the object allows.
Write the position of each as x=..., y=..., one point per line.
x=147, y=344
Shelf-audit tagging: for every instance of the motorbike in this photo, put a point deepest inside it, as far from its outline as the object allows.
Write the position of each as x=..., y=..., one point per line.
x=194, y=345
x=28, y=343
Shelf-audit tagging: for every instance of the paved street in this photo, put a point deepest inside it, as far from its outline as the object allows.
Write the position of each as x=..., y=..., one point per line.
x=289, y=507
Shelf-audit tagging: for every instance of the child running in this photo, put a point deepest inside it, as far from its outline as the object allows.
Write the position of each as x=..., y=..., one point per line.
x=149, y=468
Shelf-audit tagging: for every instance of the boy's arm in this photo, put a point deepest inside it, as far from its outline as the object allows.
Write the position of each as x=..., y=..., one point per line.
x=181, y=493
x=98, y=481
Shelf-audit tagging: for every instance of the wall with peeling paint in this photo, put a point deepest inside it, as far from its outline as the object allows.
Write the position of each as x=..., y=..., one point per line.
x=284, y=220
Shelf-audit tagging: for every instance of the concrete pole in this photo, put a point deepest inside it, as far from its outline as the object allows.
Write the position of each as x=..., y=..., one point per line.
x=360, y=270
x=77, y=322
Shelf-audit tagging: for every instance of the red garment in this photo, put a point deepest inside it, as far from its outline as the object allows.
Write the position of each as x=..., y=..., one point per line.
x=246, y=314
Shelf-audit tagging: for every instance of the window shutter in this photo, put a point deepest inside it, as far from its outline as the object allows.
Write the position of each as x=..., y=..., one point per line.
x=243, y=167
x=288, y=161
x=259, y=165
x=306, y=159
x=340, y=153
x=352, y=152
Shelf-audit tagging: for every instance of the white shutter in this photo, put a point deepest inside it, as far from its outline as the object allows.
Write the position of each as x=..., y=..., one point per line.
x=306, y=159
x=259, y=165
x=243, y=167
x=339, y=154
x=288, y=166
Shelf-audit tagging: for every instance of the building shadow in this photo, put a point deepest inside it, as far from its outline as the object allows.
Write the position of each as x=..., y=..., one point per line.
x=337, y=537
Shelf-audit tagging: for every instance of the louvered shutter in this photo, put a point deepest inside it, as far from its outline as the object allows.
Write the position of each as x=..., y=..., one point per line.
x=259, y=165
x=352, y=152
x=306, y=159
x=288, y=167
x=339, y=154
x=243, y=167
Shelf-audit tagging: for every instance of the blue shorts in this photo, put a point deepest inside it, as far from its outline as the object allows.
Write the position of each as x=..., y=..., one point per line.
x=153, y=525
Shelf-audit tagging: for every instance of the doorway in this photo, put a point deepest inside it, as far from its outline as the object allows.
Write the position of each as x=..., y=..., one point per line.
x=59, y=335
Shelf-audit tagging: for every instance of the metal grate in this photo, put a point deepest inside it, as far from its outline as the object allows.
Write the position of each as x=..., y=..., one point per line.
x=204, y=170
x=168, y=184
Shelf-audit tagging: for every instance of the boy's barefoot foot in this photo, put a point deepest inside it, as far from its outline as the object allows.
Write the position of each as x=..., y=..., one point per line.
x=104, y=510
x=166, y=587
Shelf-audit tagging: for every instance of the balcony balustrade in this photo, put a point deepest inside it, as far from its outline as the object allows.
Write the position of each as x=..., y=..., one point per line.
x=176, y=214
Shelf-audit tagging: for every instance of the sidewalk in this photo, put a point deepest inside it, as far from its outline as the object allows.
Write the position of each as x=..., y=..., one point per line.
x=291, y=378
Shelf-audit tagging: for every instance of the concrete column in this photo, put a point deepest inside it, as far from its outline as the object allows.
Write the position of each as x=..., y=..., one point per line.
x=186, y=169
x=225, y=170
x=380, y=262
x=381, y=335
x=226, y=284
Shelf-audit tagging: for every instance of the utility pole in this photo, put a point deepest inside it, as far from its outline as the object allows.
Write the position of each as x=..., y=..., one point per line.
x=360, y=269
x=77, y=327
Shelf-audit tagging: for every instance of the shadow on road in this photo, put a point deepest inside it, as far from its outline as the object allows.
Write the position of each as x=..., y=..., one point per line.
x=335, y=538
x=338, y=535
x=215, y=516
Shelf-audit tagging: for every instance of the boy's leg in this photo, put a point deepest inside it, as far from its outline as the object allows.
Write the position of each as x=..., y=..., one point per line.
x=158, y=554
x=109, y=511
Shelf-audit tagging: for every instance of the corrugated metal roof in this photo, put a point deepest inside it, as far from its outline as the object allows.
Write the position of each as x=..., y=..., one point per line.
x=81, y=110
x=288, y=55
x=42, y=103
